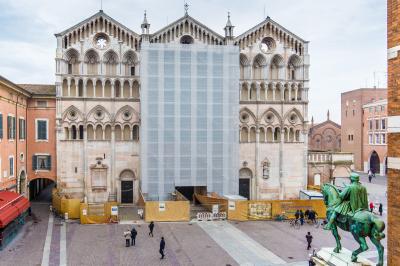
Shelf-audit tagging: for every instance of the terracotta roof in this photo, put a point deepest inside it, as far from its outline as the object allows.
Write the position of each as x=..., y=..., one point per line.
x=39, y=89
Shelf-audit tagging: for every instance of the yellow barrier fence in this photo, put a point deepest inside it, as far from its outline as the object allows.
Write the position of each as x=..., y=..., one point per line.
x=209, y=200
x=63, y=205
x=167, y=211
x=244, y=210
x=101, y=213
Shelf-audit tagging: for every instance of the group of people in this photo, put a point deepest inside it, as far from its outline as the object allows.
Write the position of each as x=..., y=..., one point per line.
x=130, y=238
x=372, y=206
x=311, y=215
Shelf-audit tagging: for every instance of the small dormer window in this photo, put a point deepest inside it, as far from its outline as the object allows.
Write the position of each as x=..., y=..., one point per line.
x=187, y=39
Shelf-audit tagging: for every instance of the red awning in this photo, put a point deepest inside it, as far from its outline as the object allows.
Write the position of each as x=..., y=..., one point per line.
x=11, y=206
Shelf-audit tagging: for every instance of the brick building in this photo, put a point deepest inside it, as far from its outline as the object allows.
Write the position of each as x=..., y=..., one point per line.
x=27, y=137
x=325, y=136
x=352, y=103
x=375, y=137
x=393, y=131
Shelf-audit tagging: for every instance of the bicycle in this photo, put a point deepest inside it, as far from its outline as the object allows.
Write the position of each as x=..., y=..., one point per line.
x=294, y=223
x=280, y=217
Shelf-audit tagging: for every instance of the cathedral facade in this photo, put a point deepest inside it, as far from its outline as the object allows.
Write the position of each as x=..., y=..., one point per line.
x=98, y=83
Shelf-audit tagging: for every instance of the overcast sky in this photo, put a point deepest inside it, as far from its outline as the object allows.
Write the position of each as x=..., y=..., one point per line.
x=347, y=37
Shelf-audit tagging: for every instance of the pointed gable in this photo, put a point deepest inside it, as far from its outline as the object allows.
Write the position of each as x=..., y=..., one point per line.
x=270, y=28
x=187, y=25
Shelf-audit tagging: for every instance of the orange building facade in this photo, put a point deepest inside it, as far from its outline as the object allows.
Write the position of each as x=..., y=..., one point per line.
x=27, y=137
x=393, y=25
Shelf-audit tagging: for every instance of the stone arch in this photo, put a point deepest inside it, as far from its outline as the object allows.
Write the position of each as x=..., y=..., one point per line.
x=79, y=114
x=276, y=114
x=135, y=116
x=259, y=62
x=92, y=60
x=296, y=111
x=276, y=64
x=127, y=174
x=249, y=112
x=106, y=115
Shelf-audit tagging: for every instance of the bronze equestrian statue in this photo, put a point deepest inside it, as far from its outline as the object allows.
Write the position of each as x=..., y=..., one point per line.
x=348, y=210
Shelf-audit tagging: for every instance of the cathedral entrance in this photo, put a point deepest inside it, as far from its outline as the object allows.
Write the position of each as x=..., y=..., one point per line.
x=245, y=175
x=127, y=191
x=374, y=163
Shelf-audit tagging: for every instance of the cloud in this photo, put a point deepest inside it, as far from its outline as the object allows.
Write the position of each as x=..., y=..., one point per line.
x=347, y=38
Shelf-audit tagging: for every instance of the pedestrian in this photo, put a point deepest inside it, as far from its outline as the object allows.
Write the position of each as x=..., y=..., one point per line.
x=301, y=217
x=380, y=209
x=297, y=215
x=307, y=214
x=151, y=227
x=370, y=175
x=309, y=240
x=133, y=236
x=29, y=211
x=162, y=247
x=127, y=235
x=311, y=262
x=371, y=206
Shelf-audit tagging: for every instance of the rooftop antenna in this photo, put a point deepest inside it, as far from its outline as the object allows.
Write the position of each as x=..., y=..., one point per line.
x=101, y=5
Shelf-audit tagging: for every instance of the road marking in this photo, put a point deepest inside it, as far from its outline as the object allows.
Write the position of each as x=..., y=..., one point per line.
x=242, y=248
x=63, y=244
x=47, y=243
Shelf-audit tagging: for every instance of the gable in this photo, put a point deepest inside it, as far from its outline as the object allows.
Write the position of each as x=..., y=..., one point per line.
x=186, y=26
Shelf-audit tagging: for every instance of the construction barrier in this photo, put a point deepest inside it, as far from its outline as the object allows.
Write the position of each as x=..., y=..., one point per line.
x=97, y=213
x=209, y=201
x=245, y=210
x=63, y=205
x=167, y=211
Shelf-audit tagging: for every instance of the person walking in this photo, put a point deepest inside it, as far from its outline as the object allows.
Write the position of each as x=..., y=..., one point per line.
x=301, y=217
x=297, y=215
x=162, y=247
x=371, y=206
x=151, y=227
x=133, y=236
x=127, y=235
x=380, y=209
x=309, y=238
x=370, y=175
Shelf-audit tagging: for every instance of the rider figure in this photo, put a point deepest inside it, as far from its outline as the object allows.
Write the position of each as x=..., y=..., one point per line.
x=353, y=198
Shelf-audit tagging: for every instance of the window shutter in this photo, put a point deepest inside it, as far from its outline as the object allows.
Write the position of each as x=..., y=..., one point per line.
x=9, y=127
x=49, y=162
x=1, y=126
x=20, y=128
x=34, y=162
x=14, y=120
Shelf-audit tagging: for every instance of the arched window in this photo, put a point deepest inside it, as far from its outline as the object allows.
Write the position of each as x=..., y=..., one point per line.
x=127, y=133
x=244, y=135
x=117, y=89
x=270, y=135
x=278, y=93
x=107, y=133
x=99, y=132
x=262, y=135
x=244, y=62
x=297, y=135
x=126, y=90
x=275, y=66
x=244, y=96
x=74, y=132
x=135, y=133
x=293, y=67
x=66, y=133
x=253, y=134
x=80, y=88
x=92, y=61
x=72, y=88
x=90, y=132
x=135, y=90
x=187, y=39
x=99, y=89
x=258, y=66
x=285, y=135
x=253, y=92
x=263, y=92
x=270, y=93
x=80, y=132
x=111, y=60
x=107, y=89
x=89, y=89
x=117, y=132
x=130, y=61
x=277, y=134
x=72, y=60
x=65, y=88
x=291, y=135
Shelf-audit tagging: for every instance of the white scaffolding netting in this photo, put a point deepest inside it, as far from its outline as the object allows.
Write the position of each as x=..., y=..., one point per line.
x=190, y=104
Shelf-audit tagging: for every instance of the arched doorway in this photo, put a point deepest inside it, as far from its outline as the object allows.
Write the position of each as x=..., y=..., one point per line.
x=40, y=189
x=245, y=176
x=374, y=163
x=127, y=186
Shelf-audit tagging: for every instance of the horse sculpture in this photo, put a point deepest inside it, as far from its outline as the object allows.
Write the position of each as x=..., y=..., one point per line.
x=361, y=225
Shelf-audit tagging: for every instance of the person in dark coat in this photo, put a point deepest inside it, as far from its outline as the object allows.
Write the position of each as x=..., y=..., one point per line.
x=297, y=214
x=307, y=214
x=133, y=236
x=151, y=227
x=380, y=209
x=301, y=217
x=370, y=174
x=162, y=247
x=309, y=240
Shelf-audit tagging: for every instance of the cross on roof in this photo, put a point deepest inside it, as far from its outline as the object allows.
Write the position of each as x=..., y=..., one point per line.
x=186, y=6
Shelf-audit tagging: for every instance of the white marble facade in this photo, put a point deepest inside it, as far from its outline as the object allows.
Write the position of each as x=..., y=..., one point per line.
x=98, y=106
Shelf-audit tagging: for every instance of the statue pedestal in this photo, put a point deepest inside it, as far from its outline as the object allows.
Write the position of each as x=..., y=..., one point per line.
x=326, y=257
